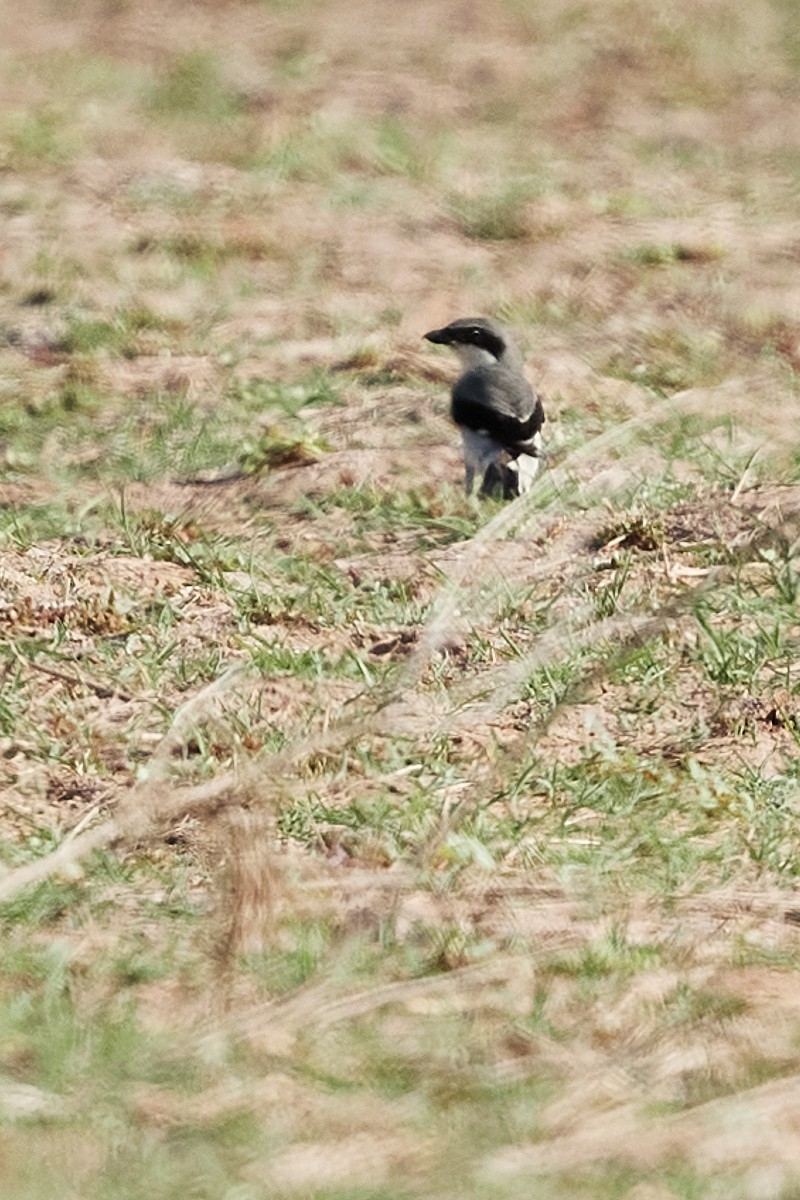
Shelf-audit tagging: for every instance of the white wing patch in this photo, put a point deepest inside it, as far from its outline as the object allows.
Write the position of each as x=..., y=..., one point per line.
x=527, y=468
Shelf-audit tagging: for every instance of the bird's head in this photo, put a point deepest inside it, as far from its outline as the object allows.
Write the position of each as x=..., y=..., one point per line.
x=474, y=339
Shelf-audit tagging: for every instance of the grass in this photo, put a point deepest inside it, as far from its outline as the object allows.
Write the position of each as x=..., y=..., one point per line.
x=360, y=840
x=501, y=216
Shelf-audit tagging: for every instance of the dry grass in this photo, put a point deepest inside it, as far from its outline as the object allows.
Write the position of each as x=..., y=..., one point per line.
x=361, y=842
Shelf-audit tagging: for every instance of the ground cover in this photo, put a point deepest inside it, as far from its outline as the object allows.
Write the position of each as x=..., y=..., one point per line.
x=359, y=840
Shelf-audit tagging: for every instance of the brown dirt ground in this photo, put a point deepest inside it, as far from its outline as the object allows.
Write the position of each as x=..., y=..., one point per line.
x=411, y=255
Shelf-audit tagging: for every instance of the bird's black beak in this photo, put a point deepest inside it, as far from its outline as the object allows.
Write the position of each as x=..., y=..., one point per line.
x=438, y=336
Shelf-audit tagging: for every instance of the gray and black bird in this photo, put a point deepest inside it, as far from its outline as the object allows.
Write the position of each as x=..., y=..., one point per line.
x=499, y=414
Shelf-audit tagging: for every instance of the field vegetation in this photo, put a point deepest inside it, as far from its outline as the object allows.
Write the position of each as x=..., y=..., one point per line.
x=360, y=840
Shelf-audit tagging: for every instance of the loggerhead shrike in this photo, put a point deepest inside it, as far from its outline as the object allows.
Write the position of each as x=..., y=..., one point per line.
x=494, y=406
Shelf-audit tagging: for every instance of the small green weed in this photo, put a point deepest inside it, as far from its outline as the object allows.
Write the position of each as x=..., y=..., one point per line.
x=281, y=448
x=191, y=88
x=494, y=216
x=665, y=254
x=35, y=139
x=133, y=331
x=260, y=395
x=671, y=360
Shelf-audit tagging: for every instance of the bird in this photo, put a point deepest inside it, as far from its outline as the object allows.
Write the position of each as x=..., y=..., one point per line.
x=498, y=412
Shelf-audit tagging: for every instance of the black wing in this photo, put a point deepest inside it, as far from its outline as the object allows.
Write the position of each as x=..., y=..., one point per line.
x=501, y=402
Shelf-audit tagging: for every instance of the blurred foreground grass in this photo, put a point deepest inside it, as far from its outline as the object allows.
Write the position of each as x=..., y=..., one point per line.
x=405, y=846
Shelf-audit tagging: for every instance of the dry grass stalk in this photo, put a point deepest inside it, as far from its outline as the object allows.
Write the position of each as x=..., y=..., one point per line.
x=754, y=1125
x=315, y=1007
x=249, y=895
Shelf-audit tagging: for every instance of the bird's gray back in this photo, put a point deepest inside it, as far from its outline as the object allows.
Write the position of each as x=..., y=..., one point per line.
x=494, y=388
